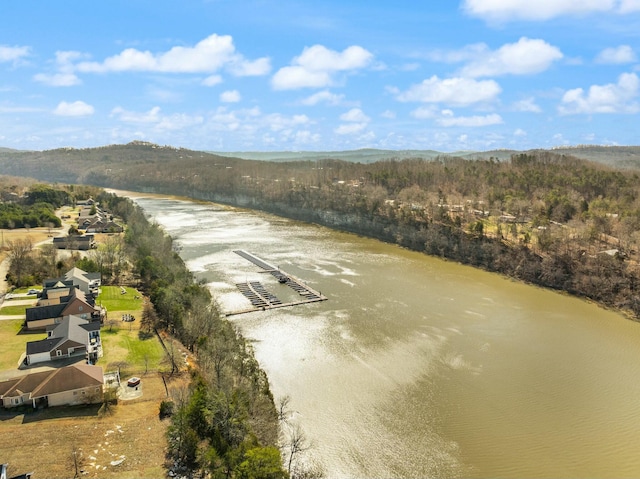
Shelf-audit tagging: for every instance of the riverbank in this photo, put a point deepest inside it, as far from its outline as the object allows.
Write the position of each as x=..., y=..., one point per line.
x=518, y=262
x=418, y=367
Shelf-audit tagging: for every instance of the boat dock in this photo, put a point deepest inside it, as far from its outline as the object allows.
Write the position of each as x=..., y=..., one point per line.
x=261, y=299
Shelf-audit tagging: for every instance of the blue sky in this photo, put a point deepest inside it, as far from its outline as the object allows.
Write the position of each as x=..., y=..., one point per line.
x=265, y=75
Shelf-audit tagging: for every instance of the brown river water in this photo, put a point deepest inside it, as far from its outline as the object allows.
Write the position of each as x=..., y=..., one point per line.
x=418, y=367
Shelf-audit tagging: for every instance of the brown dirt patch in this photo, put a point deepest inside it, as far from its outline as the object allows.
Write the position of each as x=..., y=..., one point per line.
x=36, y=234
x=43, y=442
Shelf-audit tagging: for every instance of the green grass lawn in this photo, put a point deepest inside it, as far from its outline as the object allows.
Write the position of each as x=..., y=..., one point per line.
x=111, y=297
x=14, y=344
x=130, y=351
x=122, y=343
x=26, y=289
x=11, y=310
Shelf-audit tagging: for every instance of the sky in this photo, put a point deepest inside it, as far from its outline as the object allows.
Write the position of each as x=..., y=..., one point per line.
x=297, y=75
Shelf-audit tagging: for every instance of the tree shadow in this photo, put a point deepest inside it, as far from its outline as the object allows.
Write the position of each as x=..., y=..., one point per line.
x=143, y=335
x=30, y=415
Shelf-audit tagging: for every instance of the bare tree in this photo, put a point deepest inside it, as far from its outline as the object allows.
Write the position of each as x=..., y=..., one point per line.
x=296, y=444
x=19, y=253
x=283, y=408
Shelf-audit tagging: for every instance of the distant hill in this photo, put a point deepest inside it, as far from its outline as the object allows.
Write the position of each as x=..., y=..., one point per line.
x=97, y=165
x=615, y=156
x=365, y=155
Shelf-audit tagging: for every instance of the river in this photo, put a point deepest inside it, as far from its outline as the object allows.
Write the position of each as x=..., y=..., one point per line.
x=418, y=367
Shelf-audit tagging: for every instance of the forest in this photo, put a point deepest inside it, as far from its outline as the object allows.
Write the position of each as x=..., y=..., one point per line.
x=549, y=219
x=226, y=425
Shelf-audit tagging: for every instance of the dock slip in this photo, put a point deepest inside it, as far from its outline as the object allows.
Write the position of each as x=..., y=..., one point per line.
x=261, y=299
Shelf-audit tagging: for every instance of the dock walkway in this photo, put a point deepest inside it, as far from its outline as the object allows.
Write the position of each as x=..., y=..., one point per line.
x=261, y=299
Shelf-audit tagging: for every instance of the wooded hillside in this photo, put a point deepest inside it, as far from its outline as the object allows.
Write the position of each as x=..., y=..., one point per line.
x=546, y=218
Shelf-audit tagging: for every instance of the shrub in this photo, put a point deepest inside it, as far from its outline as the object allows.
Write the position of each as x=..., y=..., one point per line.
x=166, y=409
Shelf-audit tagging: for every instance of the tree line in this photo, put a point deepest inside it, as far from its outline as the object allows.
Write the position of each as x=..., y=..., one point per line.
x=552, y=219
x=225, y=425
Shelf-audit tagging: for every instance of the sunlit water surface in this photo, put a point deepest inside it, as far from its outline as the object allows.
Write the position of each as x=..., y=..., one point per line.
x=417, y=367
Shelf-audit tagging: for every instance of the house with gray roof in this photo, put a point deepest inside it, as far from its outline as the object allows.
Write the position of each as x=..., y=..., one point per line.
x=87, y=282
x=76, y=303
x=76, y=242
x=73, y=336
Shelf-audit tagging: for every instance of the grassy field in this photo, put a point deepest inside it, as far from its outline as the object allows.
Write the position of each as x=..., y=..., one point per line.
x=111, y=297
x=14, y=344
x=136, y=353
x=7, y=309
x=43, y=442
x=35, y=234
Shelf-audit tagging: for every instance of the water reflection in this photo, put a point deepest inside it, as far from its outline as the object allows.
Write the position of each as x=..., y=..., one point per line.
x=417, y=367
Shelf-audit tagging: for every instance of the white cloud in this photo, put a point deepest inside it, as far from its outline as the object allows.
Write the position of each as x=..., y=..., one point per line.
x=525, y=57
x=317, y=65
x=447, y=119
x=617, y=56
x=504, y=10
x=611, y=98
x=356, y=120
x=208, y=55
x=388, y=114
x=355, y=114
x=629, y=6
x=452, y=91
x=246, y=68
x=350, y=128
x=320, y=58
x=65, y=75
x=230, y=96
x=425, y=112
x=527, y=104
x=278, y=122
x=212, y=80
x=305, y=137
x=77, y=108
x=152, y=116
x=290, y=78
x=519, y=132
x=178, y=121
x=13, y=54
x=57, y=79
x=324, y=96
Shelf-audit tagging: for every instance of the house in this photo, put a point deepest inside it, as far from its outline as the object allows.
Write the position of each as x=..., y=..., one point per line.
x=88, y=202
x=73, y=336
x=77, y=242
x=79, y=383
x=104, y=226
x=76, y=303
x=52, y=292
x=87, y=282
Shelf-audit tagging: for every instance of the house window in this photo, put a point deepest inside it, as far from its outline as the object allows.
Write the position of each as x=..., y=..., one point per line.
x=58, y=352
x=79, y=308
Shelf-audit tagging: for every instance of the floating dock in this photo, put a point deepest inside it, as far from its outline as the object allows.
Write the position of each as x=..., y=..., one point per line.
x=261, y=299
